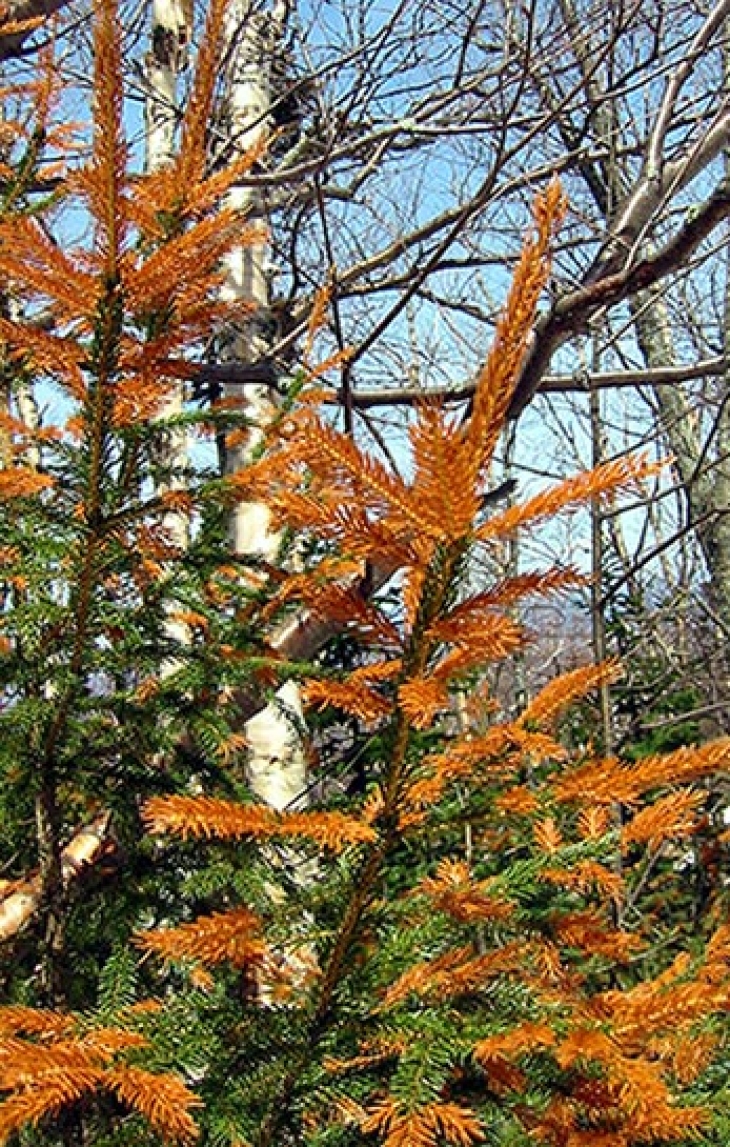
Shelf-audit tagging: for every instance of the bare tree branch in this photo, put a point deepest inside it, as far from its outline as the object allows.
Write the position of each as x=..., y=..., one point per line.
x=581, y=382
x=20, y=11
x=571, y=313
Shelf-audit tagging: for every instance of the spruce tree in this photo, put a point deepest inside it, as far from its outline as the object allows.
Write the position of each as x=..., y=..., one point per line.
x=471, y=943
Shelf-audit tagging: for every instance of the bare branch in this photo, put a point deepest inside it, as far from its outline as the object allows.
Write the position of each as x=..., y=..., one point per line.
x=580, y=382
x=571, y=313
x=19, y=11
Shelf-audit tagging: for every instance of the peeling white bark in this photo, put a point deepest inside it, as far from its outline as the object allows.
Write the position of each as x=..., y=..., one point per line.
x=167, y=58
x=276, y=761
x=19, y=900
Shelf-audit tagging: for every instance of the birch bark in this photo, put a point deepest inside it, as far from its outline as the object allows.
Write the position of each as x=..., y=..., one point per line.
x=166, y=60
x=276, y=761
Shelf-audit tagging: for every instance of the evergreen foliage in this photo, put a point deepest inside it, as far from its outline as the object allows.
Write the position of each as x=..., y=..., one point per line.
x=473, y=945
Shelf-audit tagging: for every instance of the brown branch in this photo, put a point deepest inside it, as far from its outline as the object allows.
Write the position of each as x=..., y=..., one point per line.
x=17, y=12
x=572, y=312
x=580, y=382
x=237, y=373
x=688, y=715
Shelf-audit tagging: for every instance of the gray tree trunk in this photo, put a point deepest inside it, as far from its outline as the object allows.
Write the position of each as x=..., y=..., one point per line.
x=704, y=472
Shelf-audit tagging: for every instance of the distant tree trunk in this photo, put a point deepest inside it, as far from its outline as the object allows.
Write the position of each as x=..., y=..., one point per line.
x=598, y=565
x=704, y=473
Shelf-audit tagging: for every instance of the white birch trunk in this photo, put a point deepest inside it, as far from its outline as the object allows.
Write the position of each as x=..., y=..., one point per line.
x=276, y=762
x=167, y=58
